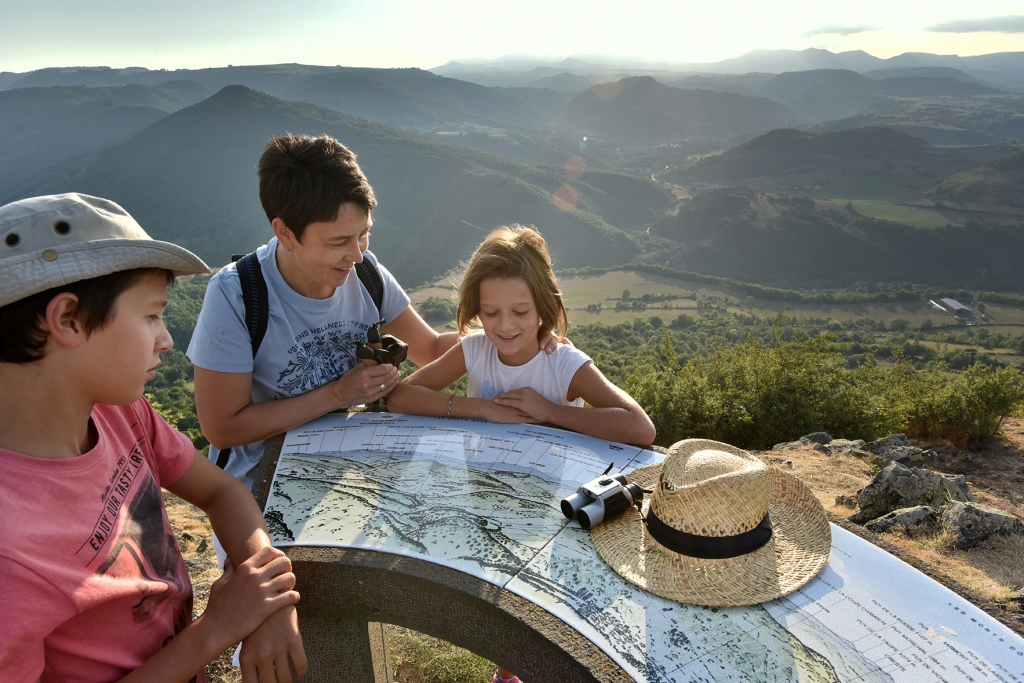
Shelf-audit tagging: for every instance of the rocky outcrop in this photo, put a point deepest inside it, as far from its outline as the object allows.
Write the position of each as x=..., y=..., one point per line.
x=919, y=515
x=971, y=523
x=898, y=486
x=897, y=448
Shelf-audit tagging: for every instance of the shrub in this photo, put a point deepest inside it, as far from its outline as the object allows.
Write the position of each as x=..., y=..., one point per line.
x=962, y=407
x=753, y=394
x=437, y=309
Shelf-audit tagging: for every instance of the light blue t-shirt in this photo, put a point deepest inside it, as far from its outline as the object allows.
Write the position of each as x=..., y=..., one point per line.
x=307, y=344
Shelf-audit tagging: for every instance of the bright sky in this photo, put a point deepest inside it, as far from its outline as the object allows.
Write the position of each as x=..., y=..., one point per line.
x=428, y=33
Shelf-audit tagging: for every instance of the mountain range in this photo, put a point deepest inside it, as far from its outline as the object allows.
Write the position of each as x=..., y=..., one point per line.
x=585, y=160
x=1003, y=69
x=190, y=178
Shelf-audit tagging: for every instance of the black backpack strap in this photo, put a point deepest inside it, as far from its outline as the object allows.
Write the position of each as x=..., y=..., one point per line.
x=372, y=281
x=223, y=457
x=254, y=297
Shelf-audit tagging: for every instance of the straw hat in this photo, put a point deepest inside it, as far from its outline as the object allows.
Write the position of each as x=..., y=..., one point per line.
x=743, y=533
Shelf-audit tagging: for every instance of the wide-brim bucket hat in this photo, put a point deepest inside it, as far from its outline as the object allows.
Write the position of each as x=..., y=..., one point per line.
x=55, y=240
x=720, y=528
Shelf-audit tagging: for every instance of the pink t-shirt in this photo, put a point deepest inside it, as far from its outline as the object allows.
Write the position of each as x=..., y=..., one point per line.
x=92, y=582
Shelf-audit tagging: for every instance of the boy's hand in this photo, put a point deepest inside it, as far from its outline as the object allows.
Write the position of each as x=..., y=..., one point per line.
x=265, y=653
x=527, y=400
x=243, y=598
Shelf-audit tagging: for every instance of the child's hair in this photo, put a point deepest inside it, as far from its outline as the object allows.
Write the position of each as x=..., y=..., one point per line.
x=305, y=180
x=22, y=334
x=514, y=251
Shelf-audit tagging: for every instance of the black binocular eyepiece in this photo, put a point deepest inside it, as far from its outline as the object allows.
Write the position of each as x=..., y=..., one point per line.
x=601, y=499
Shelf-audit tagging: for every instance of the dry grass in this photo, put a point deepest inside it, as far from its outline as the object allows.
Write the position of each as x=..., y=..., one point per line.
x=418, y=658
x=994, y=570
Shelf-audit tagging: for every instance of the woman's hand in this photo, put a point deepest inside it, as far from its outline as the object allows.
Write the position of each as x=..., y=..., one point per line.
x=365, y=384
x=549, y=342
x=527, y=401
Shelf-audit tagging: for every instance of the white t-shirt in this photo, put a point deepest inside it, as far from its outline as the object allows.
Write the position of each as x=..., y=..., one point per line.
x=549, y=373
x=307, y=343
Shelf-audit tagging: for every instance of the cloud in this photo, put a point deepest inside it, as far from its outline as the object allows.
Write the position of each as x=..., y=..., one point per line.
x=1014, y=24
x=840, y=30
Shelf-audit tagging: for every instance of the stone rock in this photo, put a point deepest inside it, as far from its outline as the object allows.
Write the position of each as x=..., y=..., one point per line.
x=898, y=486
x=816, y=437
x=971, y=523
x=821, y=448
x=786, y=445
x=906, y=517
x=842, y=446
x=887, y=443
x=847, y=501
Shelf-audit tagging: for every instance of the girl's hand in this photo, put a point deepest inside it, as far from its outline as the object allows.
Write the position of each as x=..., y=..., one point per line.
x=243, y=598
x=527, y=400
x=362, y=384
x=506, y=414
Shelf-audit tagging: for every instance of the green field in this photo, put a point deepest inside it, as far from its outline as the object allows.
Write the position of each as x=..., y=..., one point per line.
x=581, y=290
x=884, y=187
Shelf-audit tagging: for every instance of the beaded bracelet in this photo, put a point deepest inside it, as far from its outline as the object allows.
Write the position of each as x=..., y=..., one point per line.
x=450, y=399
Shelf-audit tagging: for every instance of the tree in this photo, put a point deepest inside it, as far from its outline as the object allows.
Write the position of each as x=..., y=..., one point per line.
x=438, y=310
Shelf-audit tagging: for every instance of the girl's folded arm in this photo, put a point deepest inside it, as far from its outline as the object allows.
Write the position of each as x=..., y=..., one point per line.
x=614, y=415
x=420, y=393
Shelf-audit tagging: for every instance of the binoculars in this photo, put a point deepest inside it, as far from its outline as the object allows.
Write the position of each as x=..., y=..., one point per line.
x=380, y=349
x=601, y=499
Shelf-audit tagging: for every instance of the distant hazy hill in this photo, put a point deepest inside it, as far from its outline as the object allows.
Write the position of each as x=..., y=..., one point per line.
x=415, y=99
x=564, y=82
x=789, y=242
x=932, y=87
x=47, y=129
x=272, y=78
x=641, y=109
x=1002, y=70
x=924, y=72
x=190, y=178
x=996, y=185
x=786, y=158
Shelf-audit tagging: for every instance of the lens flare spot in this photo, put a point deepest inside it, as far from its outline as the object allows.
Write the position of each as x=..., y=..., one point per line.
x=608, y=91
x=575, y=167
x=565, y=197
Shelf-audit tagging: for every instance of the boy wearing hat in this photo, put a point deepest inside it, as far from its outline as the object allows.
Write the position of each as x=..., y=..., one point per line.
x=94, y=585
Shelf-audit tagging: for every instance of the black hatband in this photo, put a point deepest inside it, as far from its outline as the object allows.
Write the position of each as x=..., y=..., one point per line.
x=708, y=547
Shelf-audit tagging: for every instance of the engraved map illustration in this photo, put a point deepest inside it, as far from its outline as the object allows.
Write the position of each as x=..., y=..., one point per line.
x=484, y=498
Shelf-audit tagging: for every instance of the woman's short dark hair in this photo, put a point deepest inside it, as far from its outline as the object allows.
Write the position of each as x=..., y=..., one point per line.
x=305, y=180
x=22, y=333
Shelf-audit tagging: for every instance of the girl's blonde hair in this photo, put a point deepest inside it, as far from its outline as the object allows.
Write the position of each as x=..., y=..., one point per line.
x=508, y=252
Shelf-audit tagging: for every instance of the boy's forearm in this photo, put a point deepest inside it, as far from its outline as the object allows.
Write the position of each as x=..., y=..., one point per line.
x=182, y=658
x=238, y=521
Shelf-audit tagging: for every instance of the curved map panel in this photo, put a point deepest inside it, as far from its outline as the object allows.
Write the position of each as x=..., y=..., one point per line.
x=484, y=498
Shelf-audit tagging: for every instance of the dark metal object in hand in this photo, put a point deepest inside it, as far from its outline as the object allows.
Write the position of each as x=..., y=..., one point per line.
x=381, y=349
